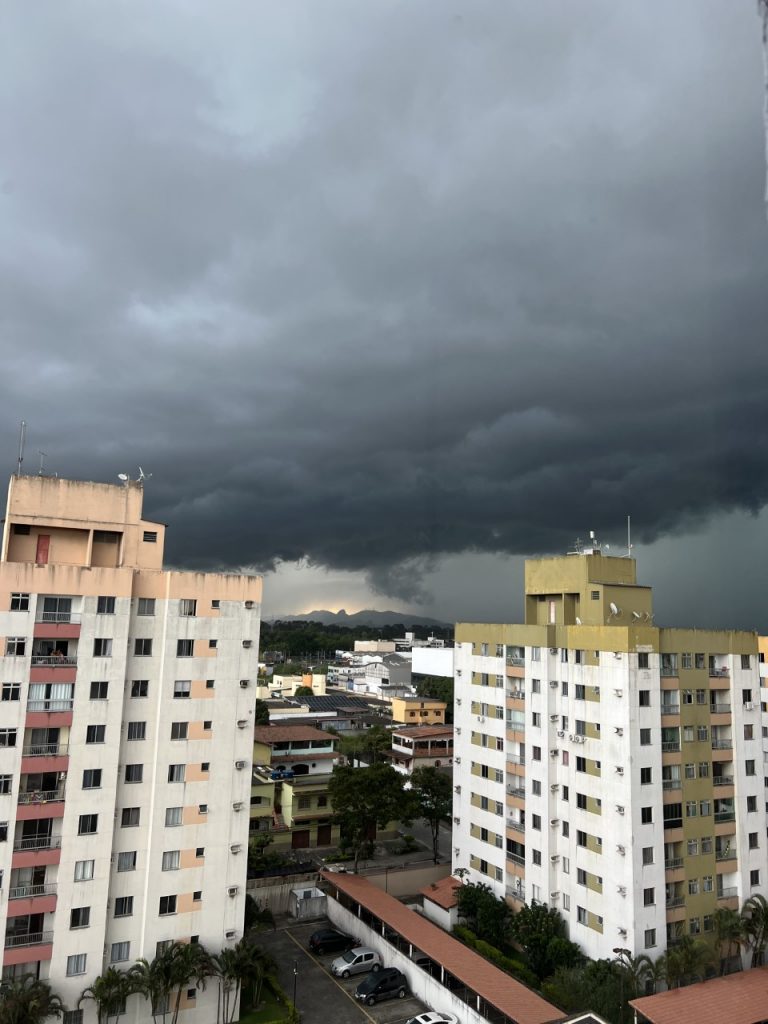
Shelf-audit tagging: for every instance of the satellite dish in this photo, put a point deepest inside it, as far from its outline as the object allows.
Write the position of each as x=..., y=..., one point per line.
x=578, y=621
x=636, y=615
x=614, y=609
x=123, y=477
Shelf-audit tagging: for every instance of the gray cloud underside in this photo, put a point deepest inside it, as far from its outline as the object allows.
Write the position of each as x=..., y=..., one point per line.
x=367, y=284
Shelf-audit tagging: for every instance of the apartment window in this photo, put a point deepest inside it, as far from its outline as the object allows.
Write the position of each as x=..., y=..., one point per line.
x=650, y=938
x=746, y=696
x=535, y=686
x=176, y=772
x=748, y=732
x=687, y=696
x=566, y=793
x=749, y=767
x=642, y=659
x=701, y=696
x=536, y=822
x=581, y=876
x=76, y=964
x=536, y=753
x=688, y=734
x=105, y=606
x=19, y=602
x=702, y=733
x=581, y=801
x=564, y=723
x=184, y=648
x=706, y=844
x=6, y=782
x=691, y=809
x=146, y=606
x=150, y=536
x=564, y=687
x=699, y=660
x=707, y=883
x=99, y=689
x=15, y=646
x=179, y=730
x=693, y=887
x=92, y=778
x=581, y=915
x=140, y=688
x=645, y=698
x=581, y=838
x=693, y=847
x=566, y=901
x=134, y=773
x=580, y=727
x=213, y=644
x=171, y=860
x=188, y=607
x=131, y=817
x=645, y=737
x=197, y=896
x=73, y=1017
x=210, y=683
x=687, y=660
x=754, y=877
x=753, y=844
x=95, y=733
x=206, y=767
x=646, y=776
x=120, y=952
x=581, y=764
x=182, y=688
x=8, y=737
x=536, y=787
x=142, y=647
x=173, y=816
x=751, y=804
x=580, y=691
x=11, y=691
x=79, y=917
x=646, y=815
x=694, y=926
x=137, y=731
x=745, y=662
x=200, y=852
x=124, y=906
x=87, y=824
x=708, y=922
x=704, y=769
x=566, y=828
x=167, y=905
x=690, y=771
x=83, y=870
x=705, y=808
x=649, y=897
x=536, y=857
x=535, y=719
x=126, y=861
x=102, y=647
x=647, y=855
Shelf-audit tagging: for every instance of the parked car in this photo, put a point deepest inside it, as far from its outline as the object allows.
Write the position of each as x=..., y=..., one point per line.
x=433, y=1018
x=328, y=940
x=387, y=984
x=355, y=961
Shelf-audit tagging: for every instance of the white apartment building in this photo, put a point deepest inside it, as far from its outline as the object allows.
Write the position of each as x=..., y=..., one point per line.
x=605, y=766
x=126, y=742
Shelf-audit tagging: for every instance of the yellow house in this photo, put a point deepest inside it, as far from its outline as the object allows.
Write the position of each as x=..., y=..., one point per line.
x=418, y=711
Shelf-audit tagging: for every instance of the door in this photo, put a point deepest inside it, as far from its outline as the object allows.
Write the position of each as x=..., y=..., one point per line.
x=43, y=545
x=300, y=840
x=324, y=835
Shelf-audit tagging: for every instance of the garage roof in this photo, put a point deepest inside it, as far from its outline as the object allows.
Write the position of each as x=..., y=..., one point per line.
x=740, y=998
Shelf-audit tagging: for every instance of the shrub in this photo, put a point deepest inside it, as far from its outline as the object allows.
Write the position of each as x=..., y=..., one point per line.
x=505, y=963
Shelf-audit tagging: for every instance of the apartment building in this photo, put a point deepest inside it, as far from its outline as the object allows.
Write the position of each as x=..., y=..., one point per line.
x=605, y=766
x=126, y=742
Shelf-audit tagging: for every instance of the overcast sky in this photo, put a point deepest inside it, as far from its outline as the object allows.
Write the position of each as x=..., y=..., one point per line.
x=401, y=291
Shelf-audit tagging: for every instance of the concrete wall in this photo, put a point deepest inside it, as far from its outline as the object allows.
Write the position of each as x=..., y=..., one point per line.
x=404, y=880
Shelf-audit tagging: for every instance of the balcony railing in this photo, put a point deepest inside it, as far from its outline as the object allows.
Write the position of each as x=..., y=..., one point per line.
x=671, y=784
x=516, y=791
x=516, y=858
x=516, y=894
x=728, y=853
x=518, y=826
x=57, y=617
x=515, y=759
x=722, y=744
x=45, y=796
x=22, y=892
x=670, y=709
x=675, y=901
x=516, y=661
x=720, y=709
x=30, y=939
x=516, y=694
x=669, y=671
x=50, y=705
x=670, y=746
x=724, y=816
x=45, y=750
x=718, y=673
x=51, y=661
x=673, y=862
x=673, y=823
x=722, y=780
x=37, y=843
x=729, y=893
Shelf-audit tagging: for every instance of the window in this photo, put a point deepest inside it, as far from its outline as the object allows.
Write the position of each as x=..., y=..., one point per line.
x=746, y=696
x=751, y=804
x=179, y=730
x=699, y=660
x=581, y=764
x=687, y=696
x=173, y=816
x=705, y=808
x=19, y=602
x=650, y=938
x=95, y=733
x=146, y=606
x=120, y=952
x=76, y=964
x=646, y=815
x=210, y=683
x=535, y=719
x=142, y=647
x=581, y=876
x=687, y=660
x=536, y=822
x=694, y=926
x=701, y=696
x=15, y=646
x=102, y=647
x=566, y=793
x=87, y=824
x=213, y=644
x=748, y=732
x=536, y=857
x=688, y=734
x=79, y=917
x=11, y=691
x=167, y=905
x=199, y=852
x=139, y=688
x=646, y=776
x=536, y=753
x=92, y=778
x=150, y=536
x=105, y=606
x=595, y=595
x=73, y=1017
x=535, y=686
x=707, y=883
x=184, y=648
x=749, y=767
x=182, y=688
x=188, y=607
x=536, y=787
x=645, y=737
x=581, y=915
x=83, y=870
x=581, y=801
x=691, y=809
x=126, y=861
x=216, y=603
x=647, y=855
x=702, y=733
x=580, y=727
x=566, y=901
x=6, y=782
x=745, y=662
x=690, y=771
x=580, y=691
x=99, y=689
x=704, y=770
x=564, y=687
x=8, y=737
x=754, y=877
x=645, y=698
x=649, y=897
x=693, y=847
x=130, y=817
x=171, y=860
x=208, y=726
x=137, y=731
x=581, y=838
x=693, y=887
x=176, y=772
x=566, y=829
x=124, y=906
x=197, y=896
x=753, y=843
x=706, y=844
x=134, y=773
x=642, y=659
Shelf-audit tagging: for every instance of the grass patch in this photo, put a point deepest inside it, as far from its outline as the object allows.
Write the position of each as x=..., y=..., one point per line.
x=270, y=1010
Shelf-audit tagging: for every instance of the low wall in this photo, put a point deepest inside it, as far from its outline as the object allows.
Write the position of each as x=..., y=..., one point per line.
x=405, y=879
x=275, y=893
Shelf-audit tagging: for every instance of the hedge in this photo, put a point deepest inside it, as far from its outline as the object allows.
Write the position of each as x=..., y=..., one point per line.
x=505, y=963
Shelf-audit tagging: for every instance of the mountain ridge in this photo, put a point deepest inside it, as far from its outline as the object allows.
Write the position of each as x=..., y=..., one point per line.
x=366, y=617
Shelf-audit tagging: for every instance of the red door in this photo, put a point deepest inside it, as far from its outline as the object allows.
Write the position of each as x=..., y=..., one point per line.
x=43, y=544
x=300, y=840
x=324, y=835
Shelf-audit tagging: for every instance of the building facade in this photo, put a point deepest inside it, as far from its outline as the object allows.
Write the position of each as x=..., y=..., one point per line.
x=608, y=767
x=125, y=743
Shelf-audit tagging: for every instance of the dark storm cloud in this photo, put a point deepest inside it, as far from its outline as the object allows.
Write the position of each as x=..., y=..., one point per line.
x=368, y=284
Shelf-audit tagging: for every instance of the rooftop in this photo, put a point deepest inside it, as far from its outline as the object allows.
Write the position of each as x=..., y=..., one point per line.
x=421, y=700
x=740, y=998
x=422, y=731
x=443, y=893
x=270, y=734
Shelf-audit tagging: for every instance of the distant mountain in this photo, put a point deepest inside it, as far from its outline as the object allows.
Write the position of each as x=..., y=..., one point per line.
x=368, y=617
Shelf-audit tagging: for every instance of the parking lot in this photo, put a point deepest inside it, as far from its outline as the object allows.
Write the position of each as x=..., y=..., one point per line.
x=319, y=996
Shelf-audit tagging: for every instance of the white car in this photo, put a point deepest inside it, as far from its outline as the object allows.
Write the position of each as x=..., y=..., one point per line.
x=433, y=1018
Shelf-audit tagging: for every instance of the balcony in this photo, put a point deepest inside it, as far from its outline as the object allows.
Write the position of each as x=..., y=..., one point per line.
x=721, y=672
x=50, y=705
x=727, y=853
x=515, y=661
x=675, y=901
x=671, y=863
x=46, y=796
x=516, y=858
x=729, y=893
x=673, y=822
x=720, y=709
x=721, y=816
x=515, y=893
x=722, y=744
x=24, y=892
x=669, y=671
x=671, y=784
x=43, y=616
x=37, y=843
x=45, y=749
x=516, y=694
x=670, y=746
x=518, y=791
x=722, y=780
x=52, y=661
x=515, y=759
x=518, y=826
x=670, y=709
x=30, y=939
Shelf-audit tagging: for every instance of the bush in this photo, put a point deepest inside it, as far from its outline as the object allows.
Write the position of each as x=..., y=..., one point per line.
x=505, y=963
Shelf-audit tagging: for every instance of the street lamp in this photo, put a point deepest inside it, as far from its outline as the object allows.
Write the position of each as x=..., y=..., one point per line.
x=295, y=979
x=622, y=953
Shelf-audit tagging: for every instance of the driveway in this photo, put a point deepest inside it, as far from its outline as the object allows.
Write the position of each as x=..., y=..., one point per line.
x=319, y=996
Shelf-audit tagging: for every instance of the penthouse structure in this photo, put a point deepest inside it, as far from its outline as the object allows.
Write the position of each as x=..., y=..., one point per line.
x=126, y=741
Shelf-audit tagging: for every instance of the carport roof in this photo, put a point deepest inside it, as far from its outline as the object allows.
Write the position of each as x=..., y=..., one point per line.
x=509, y=996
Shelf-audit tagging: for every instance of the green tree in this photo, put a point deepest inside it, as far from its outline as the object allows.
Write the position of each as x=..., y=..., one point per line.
x=261, y=713
x=487, y=915
x=192, y=965
x=433, y=791
x=27, y=1000
x=370, y=746
x=755, y=916
x=363, y=798
x=304, y=691
x=686, y=961
x=543, y=934
x=636, y=971
x=233, y=968
x=162, y=979
x=109, y=993
x=597, y=985
x=729, y=933
x=439, y=689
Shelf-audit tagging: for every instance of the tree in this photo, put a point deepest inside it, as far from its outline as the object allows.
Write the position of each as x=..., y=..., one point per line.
x=232, y=968
x=685, y=962
x=439, y=689
x=636, y=971
x=109, y=992
x=260, y=713
x=728, y=928
x=433, y=791
x=543, y=934
x=304, y=691
x=190, y=963
x=27, y=1000
x=487, y=915
x=363, y=798
x=597, y=985
x=369, y=746
x=755, y=916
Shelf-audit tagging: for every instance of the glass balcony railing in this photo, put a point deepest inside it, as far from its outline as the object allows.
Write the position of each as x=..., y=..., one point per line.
x=670, y=863
x=720, y=709
x=50, y=705
x=722, y=780
x=518, y=826
x=670, y=746
x=726, y=853
x=675, y=901
x=671, y=784
x=718, y=744
x=728, y=893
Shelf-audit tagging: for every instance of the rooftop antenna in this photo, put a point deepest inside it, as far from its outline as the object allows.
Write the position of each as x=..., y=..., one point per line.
x=629, y=536
x=22, y=438
x=143, y=476
x=42, y=455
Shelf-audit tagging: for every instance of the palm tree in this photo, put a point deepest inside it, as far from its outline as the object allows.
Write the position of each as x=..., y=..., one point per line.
x=28, y=1000
x=686, y=961
x=155, y=980
x=755, y=916
x=190, y=962
x=656, y=972
x=109, y=992
x=232, y=967
x=636, y=970
x=728, y=926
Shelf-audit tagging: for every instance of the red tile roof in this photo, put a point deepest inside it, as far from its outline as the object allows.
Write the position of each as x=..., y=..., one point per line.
x=281, y=733
x=423, y=730
x=509, y=996
x=736, y=999
x=443, y=893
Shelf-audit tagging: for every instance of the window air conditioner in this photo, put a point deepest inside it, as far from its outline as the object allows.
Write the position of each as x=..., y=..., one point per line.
x=244, y=683
x=619, y=770
x=554, y=752
x=621, y=850
x=202, y=808
x=240, y=765
x=230, y=934
x=554, y=894
x=619, y=808
x=235, y=848
x=554, y=822
x=554, y=858
x=553, y=684
x=618, y=730
x=554, y=787
x=237, y=805
x=233, y=890
x=456, y=851
x=457, y=760
x=622, y=890
x=249, y=604
x=457, y=821
x=554, y=717
x=560, y=733
x=623, y=932
x=247, y=644
x=457, y=789
x=619, y=693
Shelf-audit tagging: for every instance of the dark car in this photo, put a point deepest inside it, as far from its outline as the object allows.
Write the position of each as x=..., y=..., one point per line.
x=328, y=940
x=384, y=984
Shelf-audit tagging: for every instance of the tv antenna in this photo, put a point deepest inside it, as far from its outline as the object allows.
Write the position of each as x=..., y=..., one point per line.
x=42, y=455
x=22, y=438
x=143, y=476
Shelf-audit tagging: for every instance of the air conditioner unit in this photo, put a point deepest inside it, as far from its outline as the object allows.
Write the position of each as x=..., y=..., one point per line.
x=235, y=847
x=616, y=654
x=554, y=858
x=571, y=737
x=619, y=770
x=553, y=684
x=480, y=718
x=554, y=752
x=458, y=673
x=242, y=723
x=554, y=717
x=554, y=822
x=618, y=730
x=247, y=643
x=554, y=787
x=619, y=693
x=230, y=934
x=458, y=701
x=749, y=706
x=554, y=894
x=458, y=729
x=233, y=890
x=457, y=821
x=553, y=650
x=237, y=805
x=619, y=808
x=240, y=765
x=623, y=932
x=621, y=890
x=457, y=760
x=249, y=604
x=456, y=851
x=244, y=684
x=621, y=850
x=560, y=733
x=457, y=789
